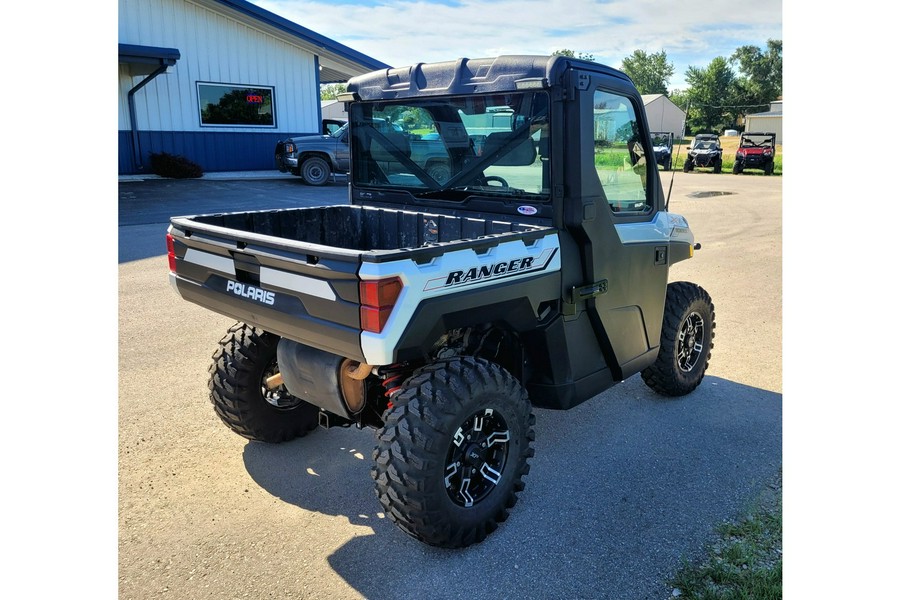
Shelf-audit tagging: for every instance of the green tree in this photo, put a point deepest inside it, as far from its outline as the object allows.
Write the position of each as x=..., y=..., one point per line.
x=712, y=94
x=331, y=91
x=649, y=72
x=571, y=54
x=759, y=81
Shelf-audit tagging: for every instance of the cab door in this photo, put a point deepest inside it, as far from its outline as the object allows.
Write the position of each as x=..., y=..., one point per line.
x=616, y=220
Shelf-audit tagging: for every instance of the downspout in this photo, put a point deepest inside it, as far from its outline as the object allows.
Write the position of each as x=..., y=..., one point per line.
x=135, y=142
x=319, y=97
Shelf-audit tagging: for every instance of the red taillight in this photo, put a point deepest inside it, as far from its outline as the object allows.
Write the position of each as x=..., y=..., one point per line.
x=170, y=246
x=376, y=300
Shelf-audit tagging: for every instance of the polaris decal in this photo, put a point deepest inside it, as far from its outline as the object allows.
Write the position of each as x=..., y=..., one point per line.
x=250, y=292
x=498, y=270
x=527, y=210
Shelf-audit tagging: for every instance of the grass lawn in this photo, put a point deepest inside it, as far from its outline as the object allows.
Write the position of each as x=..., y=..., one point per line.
x=745, y=563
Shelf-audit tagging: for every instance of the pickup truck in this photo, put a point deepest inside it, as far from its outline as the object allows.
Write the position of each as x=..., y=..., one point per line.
x=315, y=158
x=439, y=311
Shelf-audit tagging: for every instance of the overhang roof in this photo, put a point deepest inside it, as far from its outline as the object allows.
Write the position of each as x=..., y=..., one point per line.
x=337, y=62
x=146, y=59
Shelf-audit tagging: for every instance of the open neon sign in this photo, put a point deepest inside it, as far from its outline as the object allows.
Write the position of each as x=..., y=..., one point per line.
x=254, y=99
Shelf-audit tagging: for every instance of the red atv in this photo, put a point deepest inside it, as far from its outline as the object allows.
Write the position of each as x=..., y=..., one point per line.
x=755, y=151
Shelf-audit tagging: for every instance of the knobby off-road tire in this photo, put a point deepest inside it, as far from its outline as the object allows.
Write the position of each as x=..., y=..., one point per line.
x=737, y=169
x=450, y=459
x=245, y=358
x=686, y=342
x=315, y=170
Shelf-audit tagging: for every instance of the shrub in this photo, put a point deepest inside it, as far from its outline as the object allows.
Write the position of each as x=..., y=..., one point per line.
x=174, y=166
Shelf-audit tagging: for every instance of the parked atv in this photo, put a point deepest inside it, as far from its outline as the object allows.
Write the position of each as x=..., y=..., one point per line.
x=662, y=148
x=705, y=152
x=438, y=309
x=755, y=151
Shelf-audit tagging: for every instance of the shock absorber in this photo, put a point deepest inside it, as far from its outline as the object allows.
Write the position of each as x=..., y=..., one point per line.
x=392, y=378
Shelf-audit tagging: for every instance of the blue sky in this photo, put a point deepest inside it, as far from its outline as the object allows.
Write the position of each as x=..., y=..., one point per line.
x=402, y=32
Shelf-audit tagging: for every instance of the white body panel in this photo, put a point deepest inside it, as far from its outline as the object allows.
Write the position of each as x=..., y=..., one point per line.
x=421, y=282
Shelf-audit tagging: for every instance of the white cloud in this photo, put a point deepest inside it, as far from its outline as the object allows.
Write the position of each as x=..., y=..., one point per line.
x=401, y=32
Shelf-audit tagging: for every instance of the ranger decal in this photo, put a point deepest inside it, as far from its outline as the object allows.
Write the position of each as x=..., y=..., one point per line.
x=496, y=270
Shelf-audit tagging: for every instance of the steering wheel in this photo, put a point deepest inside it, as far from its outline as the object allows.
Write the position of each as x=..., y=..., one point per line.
x=500, y=180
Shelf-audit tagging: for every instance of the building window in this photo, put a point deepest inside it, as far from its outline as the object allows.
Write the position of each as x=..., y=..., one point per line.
x=236, y=105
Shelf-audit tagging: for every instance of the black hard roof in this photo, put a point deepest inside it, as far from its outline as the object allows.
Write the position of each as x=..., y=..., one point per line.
x=468, y=76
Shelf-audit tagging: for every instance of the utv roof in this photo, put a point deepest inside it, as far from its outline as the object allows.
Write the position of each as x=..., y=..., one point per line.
x=469, y=76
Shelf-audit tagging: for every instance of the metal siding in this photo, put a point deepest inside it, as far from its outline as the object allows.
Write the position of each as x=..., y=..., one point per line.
x=766, y=123
x=125, y=83
x=213, y=151
x=664, y=115
x=218, y=49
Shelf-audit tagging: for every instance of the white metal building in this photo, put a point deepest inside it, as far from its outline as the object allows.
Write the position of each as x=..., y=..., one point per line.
x=663, y=115
x=333, y=109
x=769, y=121
x=220, y=82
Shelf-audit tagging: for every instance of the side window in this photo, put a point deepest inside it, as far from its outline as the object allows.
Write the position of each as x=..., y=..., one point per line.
x=619, y=155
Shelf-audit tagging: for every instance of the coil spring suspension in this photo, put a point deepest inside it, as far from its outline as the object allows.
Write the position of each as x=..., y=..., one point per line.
x=392, y=378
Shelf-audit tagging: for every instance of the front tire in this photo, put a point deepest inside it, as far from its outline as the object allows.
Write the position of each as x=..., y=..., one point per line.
x=450, y=458
x=686, y=341
x=246, y=357
x=315, y=170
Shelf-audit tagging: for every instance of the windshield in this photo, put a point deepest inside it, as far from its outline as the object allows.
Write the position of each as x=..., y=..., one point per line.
x=492, y=145
x=752, y=141
x=339, y=132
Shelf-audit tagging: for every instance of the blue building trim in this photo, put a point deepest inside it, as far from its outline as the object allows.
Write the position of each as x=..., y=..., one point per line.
x=213, y=151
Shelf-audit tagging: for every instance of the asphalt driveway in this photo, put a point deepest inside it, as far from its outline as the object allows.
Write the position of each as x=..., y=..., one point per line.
x=621, y=487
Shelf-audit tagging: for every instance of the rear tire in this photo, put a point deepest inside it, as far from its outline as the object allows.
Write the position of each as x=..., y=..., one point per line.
x=315, y=170
x=439, y=171
x=686, y=341
x=450, y=458
x=246, y=357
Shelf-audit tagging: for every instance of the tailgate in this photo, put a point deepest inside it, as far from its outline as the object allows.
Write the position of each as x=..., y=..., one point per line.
x=303, y=292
